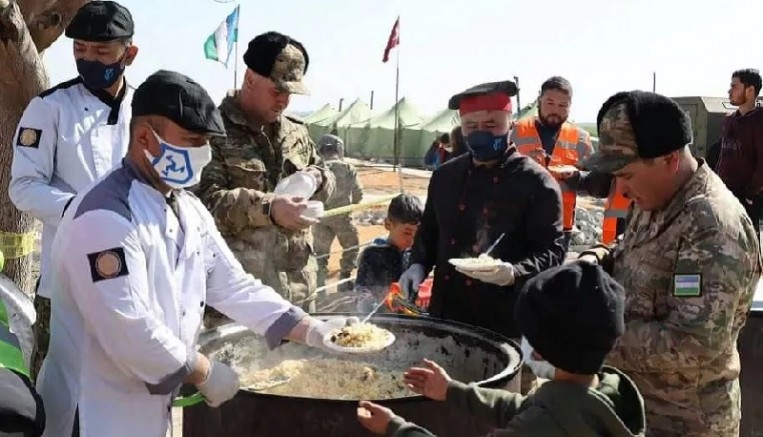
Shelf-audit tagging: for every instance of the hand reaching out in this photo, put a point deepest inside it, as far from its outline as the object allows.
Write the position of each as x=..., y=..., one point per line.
x=430, y=381
x=374, y=418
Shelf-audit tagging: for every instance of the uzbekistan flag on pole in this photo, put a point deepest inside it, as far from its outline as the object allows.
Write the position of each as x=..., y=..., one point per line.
x=219, y=45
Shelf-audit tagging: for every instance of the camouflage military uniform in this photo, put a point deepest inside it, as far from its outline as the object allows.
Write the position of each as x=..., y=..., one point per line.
x=690, y=272
x=348, y=191
x=245, y=168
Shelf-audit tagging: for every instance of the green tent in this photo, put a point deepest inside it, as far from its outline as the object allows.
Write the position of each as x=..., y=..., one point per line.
x=325, y=112
x=440, y=124
x=357, y=112
x=376, y=138
x=530, y=110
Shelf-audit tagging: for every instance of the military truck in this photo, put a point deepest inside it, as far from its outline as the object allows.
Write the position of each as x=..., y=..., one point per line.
x=706, y=114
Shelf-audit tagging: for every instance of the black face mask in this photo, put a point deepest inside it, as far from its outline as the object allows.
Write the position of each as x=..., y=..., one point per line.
x=98, y=75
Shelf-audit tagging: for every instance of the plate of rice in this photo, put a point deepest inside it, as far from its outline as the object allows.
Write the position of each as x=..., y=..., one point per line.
x=361, y=338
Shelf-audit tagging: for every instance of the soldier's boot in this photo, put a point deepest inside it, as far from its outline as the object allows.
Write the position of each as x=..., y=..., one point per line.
x=346, y=286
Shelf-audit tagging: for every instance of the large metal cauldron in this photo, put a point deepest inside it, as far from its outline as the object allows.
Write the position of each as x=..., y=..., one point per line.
x=751, y=379
x=468, y=353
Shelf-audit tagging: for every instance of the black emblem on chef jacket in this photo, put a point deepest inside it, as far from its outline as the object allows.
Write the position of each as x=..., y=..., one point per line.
x=108, y=264
x=29, y=137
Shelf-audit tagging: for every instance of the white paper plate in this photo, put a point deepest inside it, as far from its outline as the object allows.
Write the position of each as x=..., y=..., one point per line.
x=357, y=350
x=465, y=264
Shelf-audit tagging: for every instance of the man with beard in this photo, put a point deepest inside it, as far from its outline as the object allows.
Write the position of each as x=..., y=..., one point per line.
x=269, y=234
x=740, y=162
x=472, y=200
x=73, y=134
x=555, y=143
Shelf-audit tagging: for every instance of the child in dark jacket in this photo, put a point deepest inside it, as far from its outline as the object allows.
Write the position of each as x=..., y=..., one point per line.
x=572, y=316
x=382, y=263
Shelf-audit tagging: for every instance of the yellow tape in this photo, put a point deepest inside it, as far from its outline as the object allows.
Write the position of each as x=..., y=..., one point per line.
x=358, y=206
x=15, y=245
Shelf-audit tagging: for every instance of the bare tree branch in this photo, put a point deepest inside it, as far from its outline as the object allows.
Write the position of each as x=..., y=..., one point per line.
x=48, y=19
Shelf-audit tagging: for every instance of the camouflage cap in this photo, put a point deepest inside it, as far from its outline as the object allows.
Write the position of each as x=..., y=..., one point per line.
x=637, y=125
x=281, y=58
x=617, y=142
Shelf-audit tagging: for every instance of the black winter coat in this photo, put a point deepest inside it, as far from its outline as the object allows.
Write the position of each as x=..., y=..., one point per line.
x=467, y=208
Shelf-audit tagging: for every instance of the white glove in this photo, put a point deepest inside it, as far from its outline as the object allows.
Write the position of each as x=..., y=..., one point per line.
x=541, y=369
x=503, y=275
x=221, y=384
x=318, y=329
x=410, y=281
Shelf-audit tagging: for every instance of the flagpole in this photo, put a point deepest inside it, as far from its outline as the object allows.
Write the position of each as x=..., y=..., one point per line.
x=235, y=49
x=397, y=144
x=235, y=63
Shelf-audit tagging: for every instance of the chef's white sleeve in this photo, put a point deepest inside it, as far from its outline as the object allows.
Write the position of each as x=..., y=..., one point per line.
x=243, y=298
x=108, y=280
x=34, y=160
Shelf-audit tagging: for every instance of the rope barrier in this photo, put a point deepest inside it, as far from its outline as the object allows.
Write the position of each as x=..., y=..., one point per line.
x=14, y=245
x=358, y=206
x=334, y=284
x=345, y=249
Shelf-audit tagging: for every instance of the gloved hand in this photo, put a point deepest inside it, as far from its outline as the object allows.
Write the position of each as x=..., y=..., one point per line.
x=318, y=329
x=410, y=281
x=503, y=275
x=221, y=384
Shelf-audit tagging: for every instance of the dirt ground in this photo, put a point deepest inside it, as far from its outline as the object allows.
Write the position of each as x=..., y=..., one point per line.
x=377, y=182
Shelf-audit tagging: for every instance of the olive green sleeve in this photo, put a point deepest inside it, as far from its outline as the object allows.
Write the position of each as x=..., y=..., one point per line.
x=234, y=209
x=496, y=407
x=328, y=184
x=357, y=186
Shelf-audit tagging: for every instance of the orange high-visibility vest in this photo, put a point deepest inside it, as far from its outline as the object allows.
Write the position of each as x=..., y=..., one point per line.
x=616, y=208
x=572, y=146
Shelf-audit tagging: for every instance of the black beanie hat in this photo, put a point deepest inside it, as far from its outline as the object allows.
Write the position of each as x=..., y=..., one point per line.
x=572, y=316
x=637, y=125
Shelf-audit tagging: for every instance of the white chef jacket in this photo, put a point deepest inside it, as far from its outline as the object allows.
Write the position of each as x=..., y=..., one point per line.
x=67, y=138
x=129, y=305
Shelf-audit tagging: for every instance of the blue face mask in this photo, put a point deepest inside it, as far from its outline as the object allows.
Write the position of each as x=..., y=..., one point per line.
x=484, y=146
x=98, y=75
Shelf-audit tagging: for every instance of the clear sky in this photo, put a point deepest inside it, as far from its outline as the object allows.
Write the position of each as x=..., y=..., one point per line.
x=601, y=46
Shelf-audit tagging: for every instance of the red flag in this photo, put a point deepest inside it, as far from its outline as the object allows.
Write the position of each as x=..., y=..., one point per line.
x=394, y=40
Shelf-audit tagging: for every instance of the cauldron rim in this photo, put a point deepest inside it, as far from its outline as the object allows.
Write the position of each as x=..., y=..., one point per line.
x=497, y=340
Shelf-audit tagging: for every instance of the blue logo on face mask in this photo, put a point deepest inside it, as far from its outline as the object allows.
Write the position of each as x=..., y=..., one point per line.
x=484, y=146
x=98, y=75
x=173, y=165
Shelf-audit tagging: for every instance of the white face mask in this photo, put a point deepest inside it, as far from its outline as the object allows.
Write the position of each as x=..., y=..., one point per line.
x=179, y=167
x=541, y=369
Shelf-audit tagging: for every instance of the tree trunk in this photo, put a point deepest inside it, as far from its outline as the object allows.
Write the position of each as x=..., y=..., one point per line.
x=27, y=28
